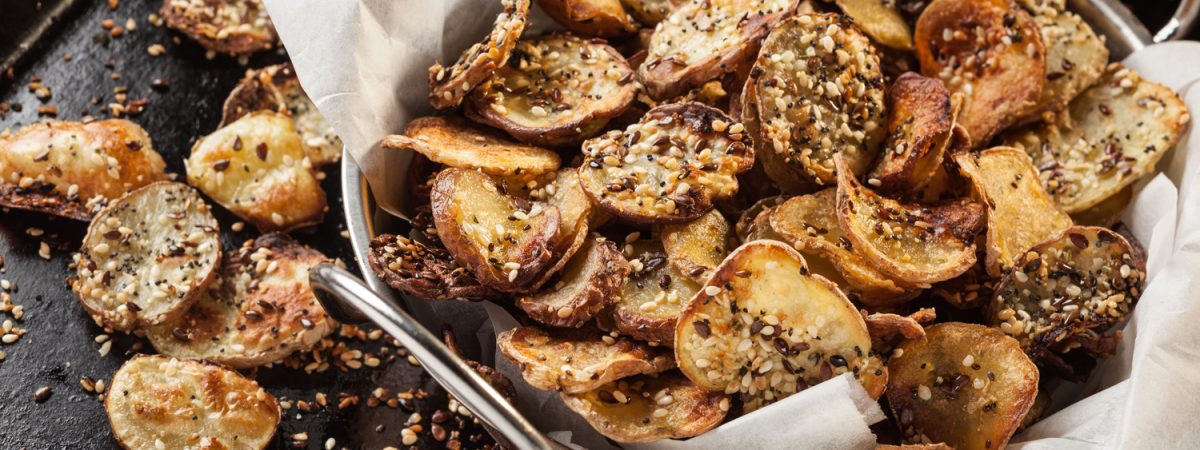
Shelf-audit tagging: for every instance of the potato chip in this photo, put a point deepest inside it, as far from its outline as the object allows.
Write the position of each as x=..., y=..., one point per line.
x=575, y=361
x=455, y=142
x=449, y=85
x=585, y=286
x=649, y=408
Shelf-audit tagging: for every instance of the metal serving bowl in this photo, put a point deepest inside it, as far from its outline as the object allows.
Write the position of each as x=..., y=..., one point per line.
x=355, y=300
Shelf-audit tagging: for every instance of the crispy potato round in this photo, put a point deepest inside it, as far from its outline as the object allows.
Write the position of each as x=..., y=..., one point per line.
x=651, y=12
x=585, y=286
x=990, y=51
x=235, y=28
x=41, y=168
x=810, y=224
x=575, y=361
x=1075, y=57
x=147, y=256
x=262, y=311
x=765, y=328
x=1019, y=211
x=1069, y=293
x=966, y=385
x=575, y=217
x=653, y=295
x=880, y=20
x=888, y=329
x=558, y=90
x=449, y=85
x=424, y=271
x=699, y=246
x=1106, y=213
x=276, y=88
x=919, y=125
x=704, y=39
x=257, y=168
x=787, y=178
x=455, y=142
x=506, y=245
x=156, y=402
x=594, y=18
x=1111, y=135
x=820, y=94
x=670, y=167
x=650, y=408
x=912, y=243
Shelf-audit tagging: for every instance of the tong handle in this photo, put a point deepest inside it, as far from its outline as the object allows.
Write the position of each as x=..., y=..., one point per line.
x=1181, y=22
x=349, y=299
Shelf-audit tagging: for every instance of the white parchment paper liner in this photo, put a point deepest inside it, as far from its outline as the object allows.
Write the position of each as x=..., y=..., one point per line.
x=364, y=65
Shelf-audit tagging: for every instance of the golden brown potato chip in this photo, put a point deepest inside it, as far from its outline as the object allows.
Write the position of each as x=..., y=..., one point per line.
x=1019, y=211
x=156, y=402
x=651, y=12
x=1106, y=213
x=262, y=310
x=912, y=243
x=455, y=142
x=41, y=170
x=650, y=408
x=276, y=88
x=257, y=168
x=424, y=271
x=575, y=217
x=1075, y=56
x=989, y=50
x=765, y=328
x=595, y=18
x=699, y=246
x=704, y=39
x=575, y=361
x=919, y=123
x=1110, y=136
x=820, y=94
x=888, y=329
x=235, y=28
x=506, y=245
x=670, y=167
x=558, y=90
x=585, y=286
x=147, y=256
x=786, y=178
x=653, y=295
x=881, y=21
x=810, y=224
x=966, y=385
x=449, y=85
x=1069, y=293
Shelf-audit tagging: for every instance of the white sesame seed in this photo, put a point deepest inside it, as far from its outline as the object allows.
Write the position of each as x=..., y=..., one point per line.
x=968, y=360
x=923, y=392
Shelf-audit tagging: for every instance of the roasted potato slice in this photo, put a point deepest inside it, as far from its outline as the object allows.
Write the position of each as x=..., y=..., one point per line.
x=1106, y=213
x=235, y=28
x=585, y=286
x=650, y=408
x=765, y=328
x=257, y=168
x=575, y=217
x=699, y=246
x=909, y=242
x=990, y=51
x=559, y=89
x=448, y=86
x=455, y=142
x=1019, y=211
x=594, y=18
x=575, y=361
x=262, y=311
x=424, y=271
x=1075, y=56
x=919, y=125
x=752, y=215
x=704, y=39
x=276, y=88
x=670, y=167
x=888, y=329
x=71, y=169
x=506, y=245
x=810, y=224
x=651, y=12
x=786, y=178
x=147, y=256
x=820, y=93
x=966, y=385
x=1069, y=293
x=1111, y=135
x=881, y=21
x=653, y=295
x=156, y=402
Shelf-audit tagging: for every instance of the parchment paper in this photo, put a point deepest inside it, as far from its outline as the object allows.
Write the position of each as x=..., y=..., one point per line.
x=364, y=65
